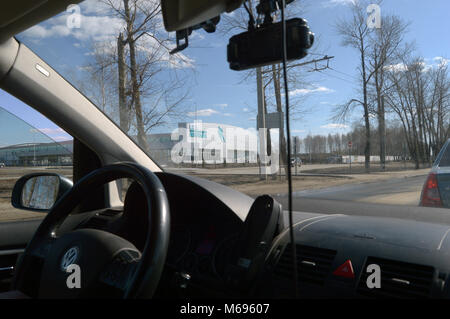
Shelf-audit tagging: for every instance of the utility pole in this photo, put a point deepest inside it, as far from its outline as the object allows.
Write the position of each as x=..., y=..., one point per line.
x=295, y=154
x=310, y=147
x=262, y=115
x=350, y=145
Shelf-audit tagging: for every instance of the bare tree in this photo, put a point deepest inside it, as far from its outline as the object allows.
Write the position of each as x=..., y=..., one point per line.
x=146, y=98
x=385, y=48
x=356, y=34
x=419, y=96
x=437, y=114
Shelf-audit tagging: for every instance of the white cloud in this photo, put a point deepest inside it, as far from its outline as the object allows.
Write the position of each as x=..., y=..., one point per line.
x=61, y=138
x=441, y=60
x=56, y=134
x=49, y=131
x=319, y=89
x=178, y=61
x=222, y=105
x=203, y=112
x=91, y=27
x=196, y=36
x=227, y=114
x=334, y=126
x=230, y=14
x=39, y=31
x=245, y=109
x=438, y=61
x=298, y=131
x=151, y=46
x=399, y=67
x=332, y=3
x=97, y=7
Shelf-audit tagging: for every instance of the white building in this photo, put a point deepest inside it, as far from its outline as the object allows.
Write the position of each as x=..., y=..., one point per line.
x=208, y=143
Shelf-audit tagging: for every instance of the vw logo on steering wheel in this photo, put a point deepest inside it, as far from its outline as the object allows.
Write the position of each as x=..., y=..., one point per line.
x=69, y=258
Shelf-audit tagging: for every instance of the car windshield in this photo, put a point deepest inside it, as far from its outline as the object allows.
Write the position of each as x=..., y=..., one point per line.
x=444, y=157
x=369, y=104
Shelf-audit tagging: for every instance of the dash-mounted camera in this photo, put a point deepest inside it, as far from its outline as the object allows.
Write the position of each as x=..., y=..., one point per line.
x=263, y=46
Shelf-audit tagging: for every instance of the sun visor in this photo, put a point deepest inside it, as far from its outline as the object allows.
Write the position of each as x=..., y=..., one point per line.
x=182, y=14
x=18, y=15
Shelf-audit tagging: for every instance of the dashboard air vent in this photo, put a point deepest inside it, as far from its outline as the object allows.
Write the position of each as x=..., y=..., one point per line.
x=398, y=279
x=313, y=264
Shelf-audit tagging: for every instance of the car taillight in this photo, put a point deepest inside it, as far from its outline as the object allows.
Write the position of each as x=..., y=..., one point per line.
x=430, y=192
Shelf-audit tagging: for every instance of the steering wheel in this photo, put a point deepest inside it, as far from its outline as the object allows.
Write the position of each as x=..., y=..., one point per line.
x=108, y=265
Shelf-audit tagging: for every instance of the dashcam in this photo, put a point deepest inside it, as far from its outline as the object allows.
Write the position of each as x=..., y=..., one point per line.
x=264, y=45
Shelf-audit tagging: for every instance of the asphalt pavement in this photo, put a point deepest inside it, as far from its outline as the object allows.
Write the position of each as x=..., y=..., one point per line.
x=395, y=191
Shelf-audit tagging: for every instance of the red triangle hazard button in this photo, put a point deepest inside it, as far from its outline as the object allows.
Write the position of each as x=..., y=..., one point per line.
x=345, y=270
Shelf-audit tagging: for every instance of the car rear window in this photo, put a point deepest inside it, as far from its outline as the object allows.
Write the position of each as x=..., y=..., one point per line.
x=445, y=159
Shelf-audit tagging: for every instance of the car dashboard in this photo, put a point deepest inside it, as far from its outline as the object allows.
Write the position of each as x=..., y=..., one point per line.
x=206, y=231
x=413, y=258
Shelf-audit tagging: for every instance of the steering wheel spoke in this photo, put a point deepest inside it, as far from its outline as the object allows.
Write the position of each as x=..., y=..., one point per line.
x=43, y=248
x=119, y=272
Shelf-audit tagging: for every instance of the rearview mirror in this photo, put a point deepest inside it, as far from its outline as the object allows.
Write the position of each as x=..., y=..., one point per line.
x=39, y=191
x=182, y=14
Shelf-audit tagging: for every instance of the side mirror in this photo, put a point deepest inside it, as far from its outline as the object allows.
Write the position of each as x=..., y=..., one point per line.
x=39, y=191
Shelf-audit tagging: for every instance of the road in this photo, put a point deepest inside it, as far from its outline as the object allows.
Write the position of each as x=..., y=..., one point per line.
x=395, y=191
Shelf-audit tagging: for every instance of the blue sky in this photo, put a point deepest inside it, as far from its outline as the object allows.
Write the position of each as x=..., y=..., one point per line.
x=218, y=95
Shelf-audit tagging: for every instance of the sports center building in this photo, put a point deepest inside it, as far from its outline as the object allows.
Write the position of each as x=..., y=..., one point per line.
x=190, y=143
x=37, y=154
x=204, y=143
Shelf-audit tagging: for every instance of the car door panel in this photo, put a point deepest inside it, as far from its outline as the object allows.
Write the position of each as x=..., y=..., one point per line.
x=14, y=237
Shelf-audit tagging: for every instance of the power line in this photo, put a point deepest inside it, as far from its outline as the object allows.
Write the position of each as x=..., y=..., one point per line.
x=343, y=73
x=324, y=58
x=336, y=77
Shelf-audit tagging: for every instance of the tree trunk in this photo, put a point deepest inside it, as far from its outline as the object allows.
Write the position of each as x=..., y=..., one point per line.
x=123, y=110
x=367, y=129
x=366, y=107
x=141, y=136
x=382, y=133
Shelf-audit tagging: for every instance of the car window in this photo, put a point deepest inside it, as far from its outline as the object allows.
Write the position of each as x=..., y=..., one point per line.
x=38, y=146
x=444, y=160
